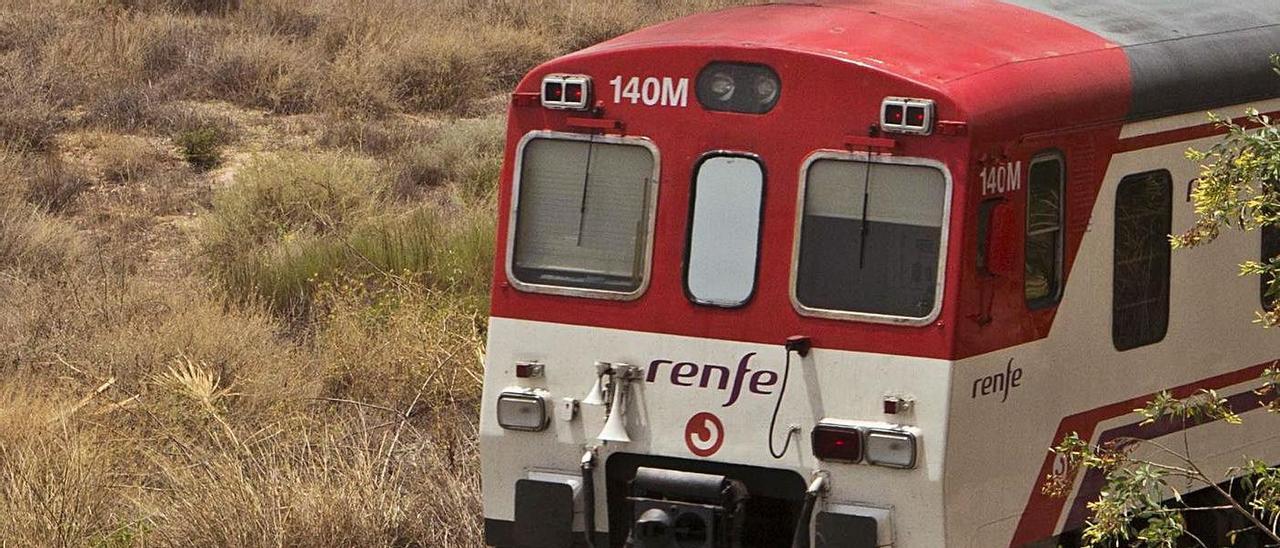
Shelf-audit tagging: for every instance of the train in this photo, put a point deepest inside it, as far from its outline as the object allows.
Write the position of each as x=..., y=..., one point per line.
x=840, y=274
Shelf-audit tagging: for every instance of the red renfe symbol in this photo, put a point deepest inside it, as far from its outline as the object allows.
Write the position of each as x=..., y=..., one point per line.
x=704, y=434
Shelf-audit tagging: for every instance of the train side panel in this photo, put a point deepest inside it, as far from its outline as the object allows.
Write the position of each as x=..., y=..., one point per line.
x=1075, y=380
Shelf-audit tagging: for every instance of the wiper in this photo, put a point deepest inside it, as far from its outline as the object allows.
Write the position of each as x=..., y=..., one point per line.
x=586, y=177
x=862, y=228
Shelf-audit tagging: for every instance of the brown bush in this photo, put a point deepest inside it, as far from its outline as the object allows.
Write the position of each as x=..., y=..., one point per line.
x=34, y=243
x=443, y=72
x=125, y=158
x=265, y=71
x=377, y=137
x=29, y=120
x=52, y=184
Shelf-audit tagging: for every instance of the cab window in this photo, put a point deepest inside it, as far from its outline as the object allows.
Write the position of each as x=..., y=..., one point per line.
x=583, y=215
x=724, y=231
x=870, y=239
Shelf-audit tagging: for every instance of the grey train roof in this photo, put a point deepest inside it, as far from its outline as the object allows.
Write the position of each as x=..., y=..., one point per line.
x=1184, y=55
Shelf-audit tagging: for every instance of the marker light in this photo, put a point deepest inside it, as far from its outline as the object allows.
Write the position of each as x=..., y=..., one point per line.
x=903, y=115
x=521, y=409
x=837, y=443
x=738, y=87
x=893, y=448
x=566, y=91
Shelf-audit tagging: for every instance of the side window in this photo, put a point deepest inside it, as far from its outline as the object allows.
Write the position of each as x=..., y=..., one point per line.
x=1042, y=279
x=724, y=233
x=1140, y=283
x=1270, y=250
x=582, y=216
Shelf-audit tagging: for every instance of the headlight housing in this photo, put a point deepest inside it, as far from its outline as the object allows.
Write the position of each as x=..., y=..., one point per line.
x=738, y=87
x=566, y=91
x=889, y=446
x=523, y=410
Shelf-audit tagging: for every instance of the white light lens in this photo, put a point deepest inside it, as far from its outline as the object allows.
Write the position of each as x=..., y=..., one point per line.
x=891, y=448
x=722, y=86
x=766, y=89
x=525, y=411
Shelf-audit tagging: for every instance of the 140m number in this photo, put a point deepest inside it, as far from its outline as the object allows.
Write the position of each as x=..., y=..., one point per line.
x=651, y=91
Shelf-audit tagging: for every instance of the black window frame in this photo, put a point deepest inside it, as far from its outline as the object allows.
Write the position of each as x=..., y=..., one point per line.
x=688, y=241
x=1269, y=249
x=1125, y=336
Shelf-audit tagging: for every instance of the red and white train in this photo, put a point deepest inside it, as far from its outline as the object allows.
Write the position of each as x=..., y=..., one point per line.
x=839, y=273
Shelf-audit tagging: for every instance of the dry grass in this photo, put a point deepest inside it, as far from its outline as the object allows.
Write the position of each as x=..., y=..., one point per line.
x=244, y=262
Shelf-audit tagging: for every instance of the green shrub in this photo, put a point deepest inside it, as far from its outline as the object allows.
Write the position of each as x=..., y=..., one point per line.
x=280, y=197
x=467, y=153
x=201, y=147
x=421, y=247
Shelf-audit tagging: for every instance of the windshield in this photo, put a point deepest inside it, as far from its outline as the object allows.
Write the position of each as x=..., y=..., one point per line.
x=870, y=237
x=583, y=214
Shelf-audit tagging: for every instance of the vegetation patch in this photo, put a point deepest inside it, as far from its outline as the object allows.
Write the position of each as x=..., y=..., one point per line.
x=245, y=259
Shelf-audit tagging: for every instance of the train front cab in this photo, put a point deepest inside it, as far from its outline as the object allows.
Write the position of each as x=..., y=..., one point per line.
x=763, y=284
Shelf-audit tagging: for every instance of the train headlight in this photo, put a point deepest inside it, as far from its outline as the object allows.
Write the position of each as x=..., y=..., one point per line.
x=892, y=448
x=521, y=409
x=721, y=87
x=766, y=88
x=738, y=87
x=566, y=91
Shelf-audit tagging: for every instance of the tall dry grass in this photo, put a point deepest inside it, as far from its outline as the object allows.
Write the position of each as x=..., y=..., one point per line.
x=244, y=262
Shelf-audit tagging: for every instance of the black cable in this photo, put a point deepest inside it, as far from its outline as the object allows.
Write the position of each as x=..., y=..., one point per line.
x=786, y=373
x=801, y=537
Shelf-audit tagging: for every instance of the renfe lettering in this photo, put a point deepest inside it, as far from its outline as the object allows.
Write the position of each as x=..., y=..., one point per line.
x=716, y=377
x=998, y=383
x=683, y=370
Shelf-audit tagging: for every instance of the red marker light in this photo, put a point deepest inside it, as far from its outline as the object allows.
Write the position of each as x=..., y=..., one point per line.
x=553, y=91
x=915, y=116
x=893, y=114
x=573, y=93
x=837, y=443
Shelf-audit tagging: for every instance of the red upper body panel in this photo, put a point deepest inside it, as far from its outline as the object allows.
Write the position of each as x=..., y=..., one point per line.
x=1019, y=81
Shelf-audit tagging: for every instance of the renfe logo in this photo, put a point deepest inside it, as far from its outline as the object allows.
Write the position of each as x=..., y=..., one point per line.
x=704, y=434
x=716, y=377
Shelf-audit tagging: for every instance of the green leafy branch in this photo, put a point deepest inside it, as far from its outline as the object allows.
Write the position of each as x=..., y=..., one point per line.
x=1239, y=188
x=1131, y=508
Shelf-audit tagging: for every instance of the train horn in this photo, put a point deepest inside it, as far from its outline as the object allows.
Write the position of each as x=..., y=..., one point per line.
x=615, y=427
x=596, y=395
